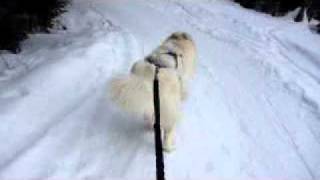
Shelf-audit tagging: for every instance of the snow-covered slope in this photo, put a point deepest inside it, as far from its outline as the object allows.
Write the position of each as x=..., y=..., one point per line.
x=253, y=110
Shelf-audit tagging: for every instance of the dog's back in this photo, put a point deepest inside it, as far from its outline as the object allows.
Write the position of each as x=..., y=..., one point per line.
x=170, y=97
x=134, y=92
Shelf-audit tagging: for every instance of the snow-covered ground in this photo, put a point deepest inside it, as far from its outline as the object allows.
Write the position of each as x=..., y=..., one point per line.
x=253, y=110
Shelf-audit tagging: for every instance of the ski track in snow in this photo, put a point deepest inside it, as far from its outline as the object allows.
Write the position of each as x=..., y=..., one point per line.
x=253, y=110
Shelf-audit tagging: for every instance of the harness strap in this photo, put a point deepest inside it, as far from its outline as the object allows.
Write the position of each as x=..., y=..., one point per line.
x=175, y=57
x=159, y=65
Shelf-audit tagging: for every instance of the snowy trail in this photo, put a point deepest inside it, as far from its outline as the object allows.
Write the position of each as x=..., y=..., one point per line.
x=241, y=83
x=247, y=117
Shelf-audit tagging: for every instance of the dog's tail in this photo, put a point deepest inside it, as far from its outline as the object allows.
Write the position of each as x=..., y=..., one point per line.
x=132, y=93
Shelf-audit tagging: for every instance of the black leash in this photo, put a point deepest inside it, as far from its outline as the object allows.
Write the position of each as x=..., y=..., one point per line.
x=157, y=129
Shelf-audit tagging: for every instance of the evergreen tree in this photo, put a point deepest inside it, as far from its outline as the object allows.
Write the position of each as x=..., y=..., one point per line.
x=20, y=17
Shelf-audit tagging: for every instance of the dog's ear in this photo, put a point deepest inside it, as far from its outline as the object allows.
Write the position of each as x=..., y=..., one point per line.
x=152, y=59
x=174, y=36
x=185, y=36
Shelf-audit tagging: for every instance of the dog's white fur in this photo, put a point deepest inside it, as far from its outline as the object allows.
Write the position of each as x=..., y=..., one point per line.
x=183, y=45
x=134, y=92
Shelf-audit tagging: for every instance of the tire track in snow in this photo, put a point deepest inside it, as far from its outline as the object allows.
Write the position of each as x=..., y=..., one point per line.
x=292, y=140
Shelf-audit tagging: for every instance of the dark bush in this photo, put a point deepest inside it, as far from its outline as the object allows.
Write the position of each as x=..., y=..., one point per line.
x=281, y=7
x=314, y=10
x=21, y=17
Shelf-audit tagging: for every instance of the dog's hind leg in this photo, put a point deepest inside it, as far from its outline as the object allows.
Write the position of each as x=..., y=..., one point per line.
x=169, y=135
x=183, y=88
x=149, y=121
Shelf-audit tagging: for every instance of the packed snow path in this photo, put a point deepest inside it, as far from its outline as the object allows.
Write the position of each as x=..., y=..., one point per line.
x=253, y=110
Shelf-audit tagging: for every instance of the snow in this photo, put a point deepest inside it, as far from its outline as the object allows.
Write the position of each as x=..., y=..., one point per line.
x=253, y=110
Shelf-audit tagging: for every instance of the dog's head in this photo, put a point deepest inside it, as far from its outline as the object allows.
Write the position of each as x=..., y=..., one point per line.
x=180, y=36
x=180, y=42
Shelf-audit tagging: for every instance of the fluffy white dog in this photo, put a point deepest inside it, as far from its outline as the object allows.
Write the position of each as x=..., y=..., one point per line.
x=175, y=59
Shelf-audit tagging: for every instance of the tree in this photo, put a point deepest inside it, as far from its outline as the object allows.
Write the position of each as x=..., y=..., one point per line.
x=20, y=17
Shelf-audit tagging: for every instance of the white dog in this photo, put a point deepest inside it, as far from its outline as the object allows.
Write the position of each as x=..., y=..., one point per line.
x=175, y=59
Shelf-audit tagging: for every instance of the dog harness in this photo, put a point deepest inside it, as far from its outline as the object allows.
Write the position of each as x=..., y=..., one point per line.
x=175, y=57
x=161, y=65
